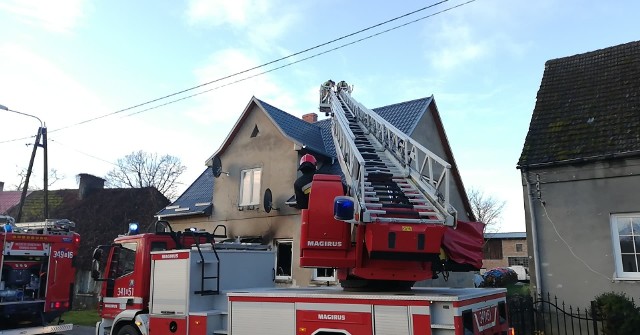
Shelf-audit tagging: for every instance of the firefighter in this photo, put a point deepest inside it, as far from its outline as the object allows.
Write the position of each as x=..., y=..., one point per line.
x=302, y=185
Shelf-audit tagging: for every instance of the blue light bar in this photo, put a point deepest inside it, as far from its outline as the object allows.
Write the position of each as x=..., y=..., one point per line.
x=343, y=208
x=134, y=228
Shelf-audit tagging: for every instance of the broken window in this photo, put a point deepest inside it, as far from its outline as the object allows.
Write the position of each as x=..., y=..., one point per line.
x=324, y=274
x=283, y=259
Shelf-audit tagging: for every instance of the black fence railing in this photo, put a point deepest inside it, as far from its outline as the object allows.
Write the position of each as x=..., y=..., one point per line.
x=544, y=315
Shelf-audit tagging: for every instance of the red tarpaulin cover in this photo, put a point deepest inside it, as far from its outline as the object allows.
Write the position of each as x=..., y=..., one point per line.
x=463, y=245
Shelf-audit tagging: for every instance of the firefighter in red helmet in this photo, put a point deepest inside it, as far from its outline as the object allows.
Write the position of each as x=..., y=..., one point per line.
x=302, y=185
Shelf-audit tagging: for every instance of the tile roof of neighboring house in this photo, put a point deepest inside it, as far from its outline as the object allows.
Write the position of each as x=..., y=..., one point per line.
x=588, y=108
x=405, y=115
x=196, y=200
x=515, y=235
x=100, y=217
x=9, y=199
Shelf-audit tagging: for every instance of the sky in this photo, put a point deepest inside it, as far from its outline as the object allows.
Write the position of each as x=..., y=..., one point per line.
x=68, y=61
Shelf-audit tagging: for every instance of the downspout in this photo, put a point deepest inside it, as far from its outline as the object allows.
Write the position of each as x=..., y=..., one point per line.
x=534, y=234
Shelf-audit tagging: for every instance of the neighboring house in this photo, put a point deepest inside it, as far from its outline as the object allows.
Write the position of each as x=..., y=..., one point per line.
x=100, y=215
x=505, y=249
x=262, y=152
x=580, y=169
x=8, y=199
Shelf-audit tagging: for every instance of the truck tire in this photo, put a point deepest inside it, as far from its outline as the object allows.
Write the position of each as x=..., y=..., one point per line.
x=128, y=330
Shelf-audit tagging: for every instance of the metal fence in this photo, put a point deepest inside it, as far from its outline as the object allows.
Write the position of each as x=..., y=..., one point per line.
x=544, y=315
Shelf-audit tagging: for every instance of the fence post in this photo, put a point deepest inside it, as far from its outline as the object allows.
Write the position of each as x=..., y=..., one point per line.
x=594, y=316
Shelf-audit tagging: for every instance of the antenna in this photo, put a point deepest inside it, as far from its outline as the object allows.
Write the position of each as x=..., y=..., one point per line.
x=217, y=167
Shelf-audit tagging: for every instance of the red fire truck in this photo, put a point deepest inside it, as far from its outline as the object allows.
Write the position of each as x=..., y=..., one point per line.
x=37, y=275
x=395, y=227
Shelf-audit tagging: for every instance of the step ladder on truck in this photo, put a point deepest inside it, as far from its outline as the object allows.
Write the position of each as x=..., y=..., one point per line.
x=37, y=275
x=382, y=237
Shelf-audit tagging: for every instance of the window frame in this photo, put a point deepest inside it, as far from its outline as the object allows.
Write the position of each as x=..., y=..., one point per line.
x=620, y=274
x=254, y=198
x=276, y=243
x=519, y=247
x=124, y=251
x=317, y=277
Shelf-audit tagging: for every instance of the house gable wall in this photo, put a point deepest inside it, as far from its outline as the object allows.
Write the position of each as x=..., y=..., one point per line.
x=426, y=133
x=275, y=154
x=573, y=227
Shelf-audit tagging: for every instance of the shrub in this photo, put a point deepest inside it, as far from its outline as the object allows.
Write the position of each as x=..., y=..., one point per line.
x=620, y=314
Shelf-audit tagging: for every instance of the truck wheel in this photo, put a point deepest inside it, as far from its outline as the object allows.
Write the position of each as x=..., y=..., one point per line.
x=128, y=330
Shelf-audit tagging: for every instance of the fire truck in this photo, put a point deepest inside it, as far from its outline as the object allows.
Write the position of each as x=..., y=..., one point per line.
x=37, y=275
x=395, y=226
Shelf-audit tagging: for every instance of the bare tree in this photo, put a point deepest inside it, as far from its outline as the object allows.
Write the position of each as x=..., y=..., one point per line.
x=486, y=208
x=141, y=169
x=54, y=176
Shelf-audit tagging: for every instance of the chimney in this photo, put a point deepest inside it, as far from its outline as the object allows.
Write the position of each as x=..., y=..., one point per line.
x=1, y=186
x=88, y=184
x=310, y=117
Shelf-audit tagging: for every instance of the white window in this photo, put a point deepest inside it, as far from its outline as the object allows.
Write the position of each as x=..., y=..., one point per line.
x=324, y=274
x=250, y=187
x=625, y=231
x=284, y=259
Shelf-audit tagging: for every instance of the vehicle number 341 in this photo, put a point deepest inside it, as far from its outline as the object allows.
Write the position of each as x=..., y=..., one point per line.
x=125, y=291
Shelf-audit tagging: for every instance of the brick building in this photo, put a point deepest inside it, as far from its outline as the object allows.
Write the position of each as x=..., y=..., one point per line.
x=505, y=249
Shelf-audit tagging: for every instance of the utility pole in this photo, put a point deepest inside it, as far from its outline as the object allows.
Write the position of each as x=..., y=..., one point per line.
x=42, y=133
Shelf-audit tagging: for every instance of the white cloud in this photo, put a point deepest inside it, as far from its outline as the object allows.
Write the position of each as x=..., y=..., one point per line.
x=58, y=16
x=262, y=20
x=219, y=12
x=456, y=47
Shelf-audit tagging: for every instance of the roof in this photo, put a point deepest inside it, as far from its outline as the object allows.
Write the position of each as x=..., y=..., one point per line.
x=587, y=108
x=405, y=115
x=303, y=132
x=514, y=235
x=9, y=199
x=196, y=200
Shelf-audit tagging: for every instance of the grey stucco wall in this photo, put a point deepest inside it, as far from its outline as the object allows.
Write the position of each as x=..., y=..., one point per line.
x=572, y=212
x=427, y=134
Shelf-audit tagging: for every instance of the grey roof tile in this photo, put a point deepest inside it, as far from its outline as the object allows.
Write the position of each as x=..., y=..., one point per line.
x=404, y=115
x=196, y=200
x=302, y=131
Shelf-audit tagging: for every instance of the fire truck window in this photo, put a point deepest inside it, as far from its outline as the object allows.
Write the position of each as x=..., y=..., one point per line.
x=158, y=246
x=126, y=259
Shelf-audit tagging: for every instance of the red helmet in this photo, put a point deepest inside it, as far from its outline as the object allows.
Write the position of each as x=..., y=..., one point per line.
x=307, y=161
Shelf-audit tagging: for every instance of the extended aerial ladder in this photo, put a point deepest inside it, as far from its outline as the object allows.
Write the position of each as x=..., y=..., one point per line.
x=401, y=202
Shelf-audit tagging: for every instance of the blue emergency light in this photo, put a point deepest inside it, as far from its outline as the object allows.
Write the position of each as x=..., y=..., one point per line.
x=134, y=228
x=343, y=208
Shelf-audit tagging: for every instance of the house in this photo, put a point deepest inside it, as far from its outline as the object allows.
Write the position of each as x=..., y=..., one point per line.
x=100, y=215
x=504, y=250
x=260, y=155
x=580, y=169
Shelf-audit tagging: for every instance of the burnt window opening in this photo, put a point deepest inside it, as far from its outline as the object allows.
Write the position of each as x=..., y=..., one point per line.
x=284, y=259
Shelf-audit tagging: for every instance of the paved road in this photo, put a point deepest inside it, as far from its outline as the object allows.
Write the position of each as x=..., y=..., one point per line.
x=81, y=330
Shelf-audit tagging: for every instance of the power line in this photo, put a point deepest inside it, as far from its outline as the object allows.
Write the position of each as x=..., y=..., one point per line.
x=265, y=64
x=253, y=68
x=298, y=61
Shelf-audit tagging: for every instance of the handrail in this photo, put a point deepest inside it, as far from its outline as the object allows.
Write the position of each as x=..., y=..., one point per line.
x=427, y=170
x=349, y=157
